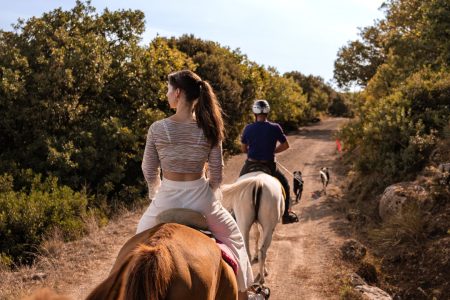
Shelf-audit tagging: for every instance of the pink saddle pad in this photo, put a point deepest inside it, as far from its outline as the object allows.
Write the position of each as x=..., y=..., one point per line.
x=228, y=256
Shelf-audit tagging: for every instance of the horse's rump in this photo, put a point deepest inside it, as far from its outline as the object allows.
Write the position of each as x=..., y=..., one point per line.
x=257, y=197
x=169, y=261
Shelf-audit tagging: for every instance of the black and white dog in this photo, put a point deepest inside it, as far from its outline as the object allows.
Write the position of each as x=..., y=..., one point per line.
x=325, y=178
x=298, y=185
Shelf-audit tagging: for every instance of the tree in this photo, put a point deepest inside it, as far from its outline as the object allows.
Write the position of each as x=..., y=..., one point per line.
x=357, y=62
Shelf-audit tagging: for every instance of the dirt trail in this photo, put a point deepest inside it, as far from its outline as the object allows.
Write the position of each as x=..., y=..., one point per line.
x=303, y=259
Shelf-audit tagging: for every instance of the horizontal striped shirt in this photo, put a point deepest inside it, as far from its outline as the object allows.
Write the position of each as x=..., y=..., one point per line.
x=179, y=147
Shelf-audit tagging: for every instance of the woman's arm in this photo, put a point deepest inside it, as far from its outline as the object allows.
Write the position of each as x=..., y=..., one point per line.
x=151, y=164
x=215, y=165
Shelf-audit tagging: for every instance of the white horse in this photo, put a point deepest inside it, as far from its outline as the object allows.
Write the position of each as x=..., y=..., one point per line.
x=256, y=197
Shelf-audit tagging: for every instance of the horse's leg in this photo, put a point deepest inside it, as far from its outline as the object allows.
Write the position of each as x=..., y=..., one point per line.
x=245, y=217
x=245, y=227
x=227, y=286
x=257, y=238
x=267, y=240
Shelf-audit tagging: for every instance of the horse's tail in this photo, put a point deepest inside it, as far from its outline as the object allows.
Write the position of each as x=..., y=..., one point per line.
x=256, y=196
x=149, y=273
x=231, y=191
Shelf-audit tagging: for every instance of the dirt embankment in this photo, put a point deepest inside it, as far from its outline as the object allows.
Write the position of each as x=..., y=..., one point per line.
x=303, y=261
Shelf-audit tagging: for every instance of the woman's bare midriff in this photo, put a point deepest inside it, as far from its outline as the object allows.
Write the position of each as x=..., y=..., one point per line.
x=175, y=176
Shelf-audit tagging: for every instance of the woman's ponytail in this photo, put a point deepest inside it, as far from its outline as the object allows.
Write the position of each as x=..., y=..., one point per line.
x=209, y=114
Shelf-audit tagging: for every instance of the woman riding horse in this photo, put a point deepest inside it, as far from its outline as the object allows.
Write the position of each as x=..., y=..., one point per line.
x=181, y=145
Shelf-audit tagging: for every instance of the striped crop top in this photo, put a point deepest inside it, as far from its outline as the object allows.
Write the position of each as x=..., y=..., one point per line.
x=179, y=147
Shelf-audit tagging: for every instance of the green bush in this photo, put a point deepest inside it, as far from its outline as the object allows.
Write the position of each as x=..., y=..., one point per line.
x=394, y=135
x=26, y=217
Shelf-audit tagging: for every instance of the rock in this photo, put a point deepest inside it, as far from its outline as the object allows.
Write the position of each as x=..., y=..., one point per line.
x=368, y=291
x=372, y=292
x=353, y=250
x=356, y=280
x=396, y=196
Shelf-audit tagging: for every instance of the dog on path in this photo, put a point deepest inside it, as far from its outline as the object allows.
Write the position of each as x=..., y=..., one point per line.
x=298, y=185
x=325, y=178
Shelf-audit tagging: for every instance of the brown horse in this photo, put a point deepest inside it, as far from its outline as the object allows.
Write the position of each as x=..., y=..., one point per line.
x=171, y=262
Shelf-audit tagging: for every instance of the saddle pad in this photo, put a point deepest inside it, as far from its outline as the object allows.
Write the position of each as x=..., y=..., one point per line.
x=228, y=256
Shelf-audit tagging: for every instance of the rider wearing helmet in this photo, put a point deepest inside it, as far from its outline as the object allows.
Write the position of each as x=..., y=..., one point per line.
x=259, y=140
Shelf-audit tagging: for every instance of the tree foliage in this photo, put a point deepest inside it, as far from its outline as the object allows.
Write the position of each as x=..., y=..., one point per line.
x=405, y=105
x=319, y=95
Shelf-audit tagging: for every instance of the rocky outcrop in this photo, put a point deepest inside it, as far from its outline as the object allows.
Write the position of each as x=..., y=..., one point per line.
x=397, y=196
x=367, y=291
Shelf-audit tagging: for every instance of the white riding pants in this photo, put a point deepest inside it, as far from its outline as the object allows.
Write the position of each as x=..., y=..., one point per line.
x=198, y=196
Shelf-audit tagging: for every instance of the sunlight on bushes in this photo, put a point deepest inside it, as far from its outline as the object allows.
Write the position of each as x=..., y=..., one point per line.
x=26, y=217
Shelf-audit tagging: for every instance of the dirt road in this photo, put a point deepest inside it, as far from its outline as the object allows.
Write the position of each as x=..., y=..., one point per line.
x=303, y=260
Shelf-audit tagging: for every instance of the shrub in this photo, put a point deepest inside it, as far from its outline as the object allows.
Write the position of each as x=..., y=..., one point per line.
x=401, y=232
x=26, y=217
x=394, y=135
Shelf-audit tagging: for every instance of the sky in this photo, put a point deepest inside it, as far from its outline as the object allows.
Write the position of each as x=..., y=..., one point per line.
x=290, y=35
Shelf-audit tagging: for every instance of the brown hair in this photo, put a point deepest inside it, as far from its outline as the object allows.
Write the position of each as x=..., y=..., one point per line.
x=207, y=109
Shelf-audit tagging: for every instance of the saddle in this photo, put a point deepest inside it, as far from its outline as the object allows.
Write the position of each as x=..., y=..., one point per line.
x=254, y=166
x=197, y=221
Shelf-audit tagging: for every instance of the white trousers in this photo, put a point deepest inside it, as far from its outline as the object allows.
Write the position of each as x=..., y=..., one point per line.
x=198, y=196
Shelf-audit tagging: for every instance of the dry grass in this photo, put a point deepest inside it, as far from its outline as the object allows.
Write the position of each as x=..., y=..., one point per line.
x=62, y=266
x=347, y=292
x=401, y=232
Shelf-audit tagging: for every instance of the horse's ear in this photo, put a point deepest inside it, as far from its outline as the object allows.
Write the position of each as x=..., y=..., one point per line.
x=150, y=273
